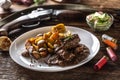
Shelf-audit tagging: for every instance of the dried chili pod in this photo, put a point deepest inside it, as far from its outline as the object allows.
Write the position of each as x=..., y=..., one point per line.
x=111, y=54
x=100, y=63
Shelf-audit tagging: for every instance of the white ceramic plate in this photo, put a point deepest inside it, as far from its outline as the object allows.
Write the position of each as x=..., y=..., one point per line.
x=17, y=47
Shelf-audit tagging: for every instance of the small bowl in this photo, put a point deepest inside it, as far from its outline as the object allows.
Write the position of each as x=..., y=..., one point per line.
x=100, y=27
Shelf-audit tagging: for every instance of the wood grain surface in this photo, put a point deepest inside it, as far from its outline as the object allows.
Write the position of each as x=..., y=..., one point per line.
x=9, y=70
x=102, y=3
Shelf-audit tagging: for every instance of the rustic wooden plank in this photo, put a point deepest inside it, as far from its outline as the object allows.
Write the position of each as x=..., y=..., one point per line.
x=111, y=71
x=9, y=70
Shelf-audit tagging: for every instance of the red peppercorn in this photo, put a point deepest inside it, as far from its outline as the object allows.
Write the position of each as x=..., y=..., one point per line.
x=100, y=63
x=111, y=54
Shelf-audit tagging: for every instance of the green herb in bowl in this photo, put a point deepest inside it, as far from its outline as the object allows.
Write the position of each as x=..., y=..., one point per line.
x=100, y=21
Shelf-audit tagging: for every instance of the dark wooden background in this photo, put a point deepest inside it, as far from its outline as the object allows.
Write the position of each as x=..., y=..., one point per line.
x=9, y=70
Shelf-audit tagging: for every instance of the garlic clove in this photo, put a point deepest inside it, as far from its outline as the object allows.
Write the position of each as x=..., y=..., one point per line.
x=5, y=4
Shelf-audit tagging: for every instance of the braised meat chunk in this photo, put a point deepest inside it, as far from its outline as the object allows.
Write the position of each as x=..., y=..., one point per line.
x=70, y=52
x=71, y=41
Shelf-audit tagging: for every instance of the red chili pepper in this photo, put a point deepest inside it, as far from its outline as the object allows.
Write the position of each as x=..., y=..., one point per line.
x=111, y=54
x=100, y=63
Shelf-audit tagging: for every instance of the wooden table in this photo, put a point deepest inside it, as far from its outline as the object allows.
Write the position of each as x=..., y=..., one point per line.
x=9, y=70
